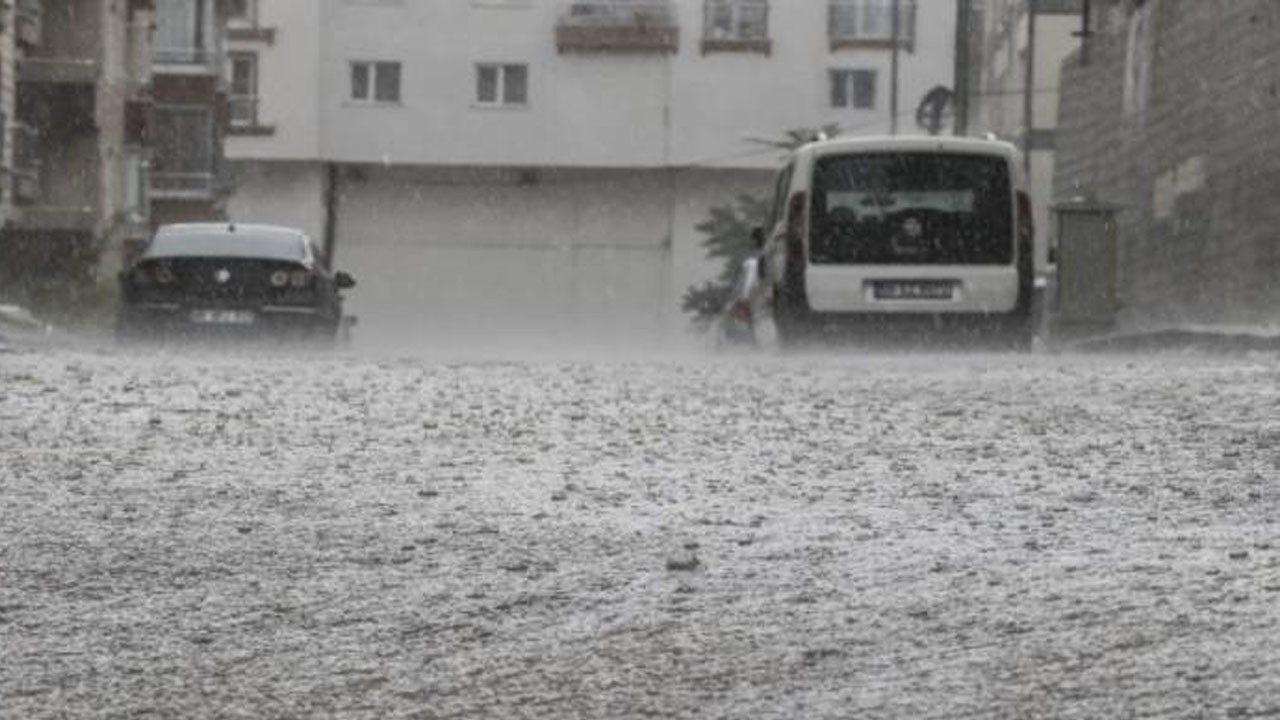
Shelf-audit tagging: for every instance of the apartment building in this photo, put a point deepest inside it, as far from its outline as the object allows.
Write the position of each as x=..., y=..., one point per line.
x=187, y=173
x=1018, y=70
x=74, y=107
x=512, y=166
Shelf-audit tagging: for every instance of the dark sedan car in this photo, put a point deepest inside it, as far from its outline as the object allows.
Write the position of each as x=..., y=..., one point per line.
x=231, y=279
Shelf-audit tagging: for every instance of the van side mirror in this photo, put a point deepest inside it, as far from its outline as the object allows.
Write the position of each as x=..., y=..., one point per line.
x=757, y=237
x=344, y=280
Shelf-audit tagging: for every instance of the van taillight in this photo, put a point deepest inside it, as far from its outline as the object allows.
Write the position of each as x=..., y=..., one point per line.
x=795, y=216
x=1026, y=220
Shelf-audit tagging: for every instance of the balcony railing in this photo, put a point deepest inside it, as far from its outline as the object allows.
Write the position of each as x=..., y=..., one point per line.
x=194, y=56
x=183, y=185
x=869, y=24
x=244, y=110
x=618, y=26
x=736, y=26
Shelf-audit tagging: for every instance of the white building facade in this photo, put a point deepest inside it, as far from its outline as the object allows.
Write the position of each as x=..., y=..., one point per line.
x=499, y=167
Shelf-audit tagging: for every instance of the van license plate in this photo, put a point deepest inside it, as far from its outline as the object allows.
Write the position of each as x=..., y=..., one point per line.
x=222, y=317
x=914, y=290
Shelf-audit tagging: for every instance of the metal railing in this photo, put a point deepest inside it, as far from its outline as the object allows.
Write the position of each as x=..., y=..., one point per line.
x=735, y=20
x=183, y=56
x=183, y=185
x=871, y=21
x=613, y=13
x=244, y=110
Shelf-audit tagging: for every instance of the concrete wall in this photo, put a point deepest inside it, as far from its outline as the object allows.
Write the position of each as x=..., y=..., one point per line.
x=1189, y=147
x=8, y=93
x=470, y=256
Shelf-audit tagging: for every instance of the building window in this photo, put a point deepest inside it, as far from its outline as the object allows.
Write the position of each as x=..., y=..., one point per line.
x=183, y=159
x=242, y=13
x=375, y=82
x=244, y=89
x=182, y=32
x=869, y=23
x=853, y=89
x=736, y=26
x=502, y=84
x=737, y=19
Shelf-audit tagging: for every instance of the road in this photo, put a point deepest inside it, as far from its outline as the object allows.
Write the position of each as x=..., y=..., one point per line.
x=221, y=535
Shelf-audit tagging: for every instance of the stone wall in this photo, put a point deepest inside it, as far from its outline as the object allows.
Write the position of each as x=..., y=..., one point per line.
x=1179, y=121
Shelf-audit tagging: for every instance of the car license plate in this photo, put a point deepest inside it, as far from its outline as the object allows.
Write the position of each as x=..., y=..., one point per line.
x=914, y=290
x=222, y=317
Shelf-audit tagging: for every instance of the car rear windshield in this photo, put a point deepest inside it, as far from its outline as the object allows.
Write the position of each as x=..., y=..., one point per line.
x=240, y=244
x=911, y=208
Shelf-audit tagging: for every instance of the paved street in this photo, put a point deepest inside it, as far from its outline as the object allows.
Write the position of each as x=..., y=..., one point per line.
x=821, y=536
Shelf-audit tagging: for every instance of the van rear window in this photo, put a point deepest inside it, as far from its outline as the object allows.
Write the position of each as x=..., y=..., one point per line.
x=912, y=209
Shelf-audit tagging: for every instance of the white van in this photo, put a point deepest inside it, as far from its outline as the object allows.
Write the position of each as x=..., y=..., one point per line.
x=922, y=234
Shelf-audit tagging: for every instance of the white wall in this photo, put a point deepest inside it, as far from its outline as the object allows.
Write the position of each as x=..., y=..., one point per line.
x=289, y=86
x=594, y=109
x=279, y=193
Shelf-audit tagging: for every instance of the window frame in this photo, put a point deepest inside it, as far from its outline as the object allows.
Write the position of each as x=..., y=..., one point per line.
x=847, y=80
x=500, y=85
x=252, y=96
x=373, y=69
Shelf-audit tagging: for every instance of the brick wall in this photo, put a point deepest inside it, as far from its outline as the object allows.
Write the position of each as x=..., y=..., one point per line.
x=1196, y=166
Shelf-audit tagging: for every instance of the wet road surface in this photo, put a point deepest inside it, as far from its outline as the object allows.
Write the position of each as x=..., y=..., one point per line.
x=203, y=535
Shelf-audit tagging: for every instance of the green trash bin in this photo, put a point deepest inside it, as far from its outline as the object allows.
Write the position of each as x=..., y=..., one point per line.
x=1086, y=251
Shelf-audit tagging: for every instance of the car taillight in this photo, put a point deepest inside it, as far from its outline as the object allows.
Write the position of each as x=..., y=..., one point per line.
x=279, y=278
x=1026, y=219
x=796, y=216
x=741, y=311
x=299, y=278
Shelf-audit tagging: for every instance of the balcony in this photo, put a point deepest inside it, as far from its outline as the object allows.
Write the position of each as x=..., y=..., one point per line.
x=868, y=24
x=736, y=26
x=622, y=26
x=58, y=95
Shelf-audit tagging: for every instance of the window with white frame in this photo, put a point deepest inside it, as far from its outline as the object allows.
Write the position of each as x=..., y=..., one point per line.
x=872, y=20
x=243, y=82
x=375, y=81
x=736, y=20
x=502, y=84
x=854, y=89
